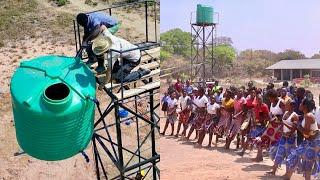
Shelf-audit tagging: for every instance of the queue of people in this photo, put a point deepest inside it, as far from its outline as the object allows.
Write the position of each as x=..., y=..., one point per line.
x=285, y=122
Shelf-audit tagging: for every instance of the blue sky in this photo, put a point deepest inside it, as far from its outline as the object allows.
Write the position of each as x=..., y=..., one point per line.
x=259, y=24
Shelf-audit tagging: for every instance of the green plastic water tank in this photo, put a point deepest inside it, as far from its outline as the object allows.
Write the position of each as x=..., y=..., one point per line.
x=52, y=110
x=204, y=14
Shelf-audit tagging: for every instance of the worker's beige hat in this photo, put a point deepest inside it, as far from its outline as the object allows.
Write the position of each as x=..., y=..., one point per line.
x=101, y=44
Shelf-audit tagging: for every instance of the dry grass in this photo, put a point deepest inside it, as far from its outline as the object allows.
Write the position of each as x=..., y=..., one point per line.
x=23, y=19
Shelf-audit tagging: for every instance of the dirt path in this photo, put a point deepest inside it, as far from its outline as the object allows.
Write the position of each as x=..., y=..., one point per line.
x=181, y=160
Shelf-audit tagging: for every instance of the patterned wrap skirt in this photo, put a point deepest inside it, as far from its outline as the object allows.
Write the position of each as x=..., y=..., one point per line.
x=224, y=123
x=172, y=118
x=306, y=157
x=269, y=137
x=246, y=124
x=281, y=150
x=184, y=116
x=199, y=119
x=235, y=126
x=191, y=119
x=210, y=123
x=256, y=131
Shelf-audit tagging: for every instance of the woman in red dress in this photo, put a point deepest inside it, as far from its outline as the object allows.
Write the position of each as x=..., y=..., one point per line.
x=184, y=112
x=261, y=114
x=273, y=132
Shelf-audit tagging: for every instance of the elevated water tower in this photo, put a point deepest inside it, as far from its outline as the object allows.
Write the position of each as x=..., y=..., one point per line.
x=203, y=34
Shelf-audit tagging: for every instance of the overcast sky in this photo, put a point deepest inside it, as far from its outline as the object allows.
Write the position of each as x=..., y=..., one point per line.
x=259, y=24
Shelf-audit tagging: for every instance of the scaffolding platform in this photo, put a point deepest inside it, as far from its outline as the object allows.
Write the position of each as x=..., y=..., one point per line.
x=124, y=147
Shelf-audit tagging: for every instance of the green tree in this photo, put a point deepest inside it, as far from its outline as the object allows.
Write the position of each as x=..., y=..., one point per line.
x=176, y=41
x=258, y=54
x=290, y=54
x=316, y=56
x=224, y=56
x=257, y=67
x=164, y=55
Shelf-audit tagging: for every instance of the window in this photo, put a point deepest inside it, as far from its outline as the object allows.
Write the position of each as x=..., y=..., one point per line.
x=277, y=74
x=286, y=74
x=295, y=73
x=315, y=73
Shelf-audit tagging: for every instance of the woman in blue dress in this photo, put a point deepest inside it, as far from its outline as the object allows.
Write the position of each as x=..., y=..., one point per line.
x=305, y=159
x=288, y=141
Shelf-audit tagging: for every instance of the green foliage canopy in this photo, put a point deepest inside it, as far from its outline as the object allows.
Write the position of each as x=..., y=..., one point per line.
x=290, y=54
x=176, y=41
x=316, y=56
x=164, y=55
x=249, y=54
x=224, y=55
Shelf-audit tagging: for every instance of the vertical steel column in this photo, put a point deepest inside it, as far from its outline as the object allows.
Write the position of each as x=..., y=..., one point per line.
x=138, y=133
x=110, y=12
x=155, y=21
x=197, y=52
x=119, y=139
x=96, y=157
x=154, y=170
x=146, y=18
x=75, y=35
x=111, y=75
x=191, y=57
x=203, y=51
x=78, y=28
x=121, y=74
x=212, y=59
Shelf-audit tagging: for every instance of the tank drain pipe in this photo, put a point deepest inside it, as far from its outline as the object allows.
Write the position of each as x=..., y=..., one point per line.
x=85, y=156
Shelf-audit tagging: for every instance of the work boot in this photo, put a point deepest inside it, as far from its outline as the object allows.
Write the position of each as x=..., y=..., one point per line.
x=143, y=72
x=101, y=70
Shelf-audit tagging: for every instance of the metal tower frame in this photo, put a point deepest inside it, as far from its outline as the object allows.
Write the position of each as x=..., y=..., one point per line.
x=113, y=148
x=201, y=35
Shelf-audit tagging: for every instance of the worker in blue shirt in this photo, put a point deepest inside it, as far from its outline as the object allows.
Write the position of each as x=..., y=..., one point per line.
x=93, y=24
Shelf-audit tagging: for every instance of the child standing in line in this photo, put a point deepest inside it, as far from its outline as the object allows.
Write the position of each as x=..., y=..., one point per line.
x=184, y=113
x=164, y=103
x=172, y=114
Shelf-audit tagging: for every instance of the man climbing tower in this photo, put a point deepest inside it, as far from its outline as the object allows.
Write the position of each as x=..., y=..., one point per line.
x=120, y=65
x=93, y=24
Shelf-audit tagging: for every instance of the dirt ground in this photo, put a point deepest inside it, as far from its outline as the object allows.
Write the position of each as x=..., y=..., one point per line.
x=12, y=53
x=181, y=160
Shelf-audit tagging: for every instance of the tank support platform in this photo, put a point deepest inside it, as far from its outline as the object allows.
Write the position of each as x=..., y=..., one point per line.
x=126, y=148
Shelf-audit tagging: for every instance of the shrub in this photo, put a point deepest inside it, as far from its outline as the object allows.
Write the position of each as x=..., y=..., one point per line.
x=306, y=81
x=164, y=55
x=61, y=2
